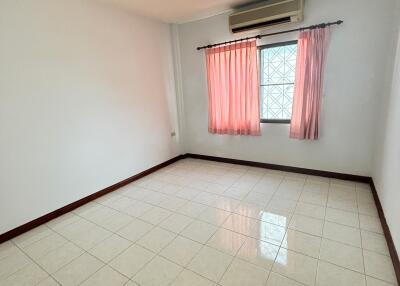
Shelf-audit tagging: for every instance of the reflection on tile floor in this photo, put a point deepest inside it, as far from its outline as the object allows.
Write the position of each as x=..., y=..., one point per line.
x=198, y=223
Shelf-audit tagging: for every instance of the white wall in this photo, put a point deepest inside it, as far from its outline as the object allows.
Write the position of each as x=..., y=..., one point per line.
x=86, y=100
x=387, y=157
x=353, y=86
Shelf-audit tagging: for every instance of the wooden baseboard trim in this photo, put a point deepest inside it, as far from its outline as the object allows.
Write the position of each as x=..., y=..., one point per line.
x=313, y=172
x=386, y=231
x=54, y=214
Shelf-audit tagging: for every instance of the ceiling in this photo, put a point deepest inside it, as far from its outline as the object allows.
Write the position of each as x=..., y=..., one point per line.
x=178, y=11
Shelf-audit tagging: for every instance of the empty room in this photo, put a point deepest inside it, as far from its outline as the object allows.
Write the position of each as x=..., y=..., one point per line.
x=199, y=143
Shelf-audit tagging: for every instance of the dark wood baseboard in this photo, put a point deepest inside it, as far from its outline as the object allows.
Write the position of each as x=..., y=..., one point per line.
x=54, y=214
x=313, y=172
x=386, y=231
x=389, y=240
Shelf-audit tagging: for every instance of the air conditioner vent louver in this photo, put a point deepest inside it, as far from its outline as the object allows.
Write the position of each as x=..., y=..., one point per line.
x=271, y=14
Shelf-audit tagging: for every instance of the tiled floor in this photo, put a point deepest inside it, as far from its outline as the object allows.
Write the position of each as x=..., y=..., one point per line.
x=200, y=223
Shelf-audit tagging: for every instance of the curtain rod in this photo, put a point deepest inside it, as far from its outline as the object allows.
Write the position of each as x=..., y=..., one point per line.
x=322, y=25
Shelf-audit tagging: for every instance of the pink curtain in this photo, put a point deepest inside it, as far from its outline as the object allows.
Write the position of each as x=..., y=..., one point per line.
x=233, y=90
x=311, y=53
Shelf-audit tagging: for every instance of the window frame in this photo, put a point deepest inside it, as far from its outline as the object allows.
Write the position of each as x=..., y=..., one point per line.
x=268, y=46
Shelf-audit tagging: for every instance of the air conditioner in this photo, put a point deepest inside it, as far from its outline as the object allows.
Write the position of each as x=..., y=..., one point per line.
x=270, y=14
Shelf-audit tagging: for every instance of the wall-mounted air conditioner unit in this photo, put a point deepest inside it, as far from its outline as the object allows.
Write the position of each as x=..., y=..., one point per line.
x=270, y=14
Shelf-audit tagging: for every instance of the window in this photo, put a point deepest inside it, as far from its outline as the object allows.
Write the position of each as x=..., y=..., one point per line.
x=278, y=67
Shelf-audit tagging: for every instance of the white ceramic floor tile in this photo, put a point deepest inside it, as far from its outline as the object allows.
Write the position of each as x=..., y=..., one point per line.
x=318, y=179
x=255, y=228
x=370, y=223
x=121, y=203
x=76, y=229
x=32, y=236
x=236, y=193
x=368, y=209
x=268, y=232
x=258, y=252
x=259, y=199
x=344, y=183
x=302, y=242
x=62, y=221
x=242, y=273
x=7, y=248
x=137, y=209
x=320, y=187
x=45, y=245
x=276, y=279
x=187, y=193
x=210, y=263
x=156, y=239
x=101, y=213
x=48, y=282
x=341, y=233
x=91, y=237
x=181, y=250
x=376, y=282
x=379, y=266
x=116, y=222
x=176, y=222
x=249, y=210
x=135, y=192
x=78, y=270
x=363, y=187
x=31, y=274
x=205, y=198
x=296, y=266
x=170, y=189
x=307, y=224
x=332, y=275
x=213, y=216
x=364, y=196
x=267, y=185
x=106, y=276
x=173, y=203
x=343, y=204
x=225, y=203
x=290, y=189
x=192, y=209
x=13, y=263
x=189, y=278
x=60, y=257
x=131, y=260
x=277, y=217
x=282, y=204
x=135, y=230
x=155, y=215
x=342, y=217
x=158, y=272
x=311, y=197
x=310, y=210
x=226, y=241
x=199, y=231
x=110, y=248
x=374, y=242
x=342, y=254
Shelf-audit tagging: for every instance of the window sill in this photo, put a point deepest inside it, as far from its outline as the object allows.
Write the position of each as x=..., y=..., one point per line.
x=282, y=121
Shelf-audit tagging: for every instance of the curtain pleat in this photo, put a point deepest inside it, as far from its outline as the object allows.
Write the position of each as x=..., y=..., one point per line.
x=311, y=54
x=233, y=89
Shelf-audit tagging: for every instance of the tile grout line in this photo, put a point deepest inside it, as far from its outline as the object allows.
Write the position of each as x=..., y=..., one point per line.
x=320, y=243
